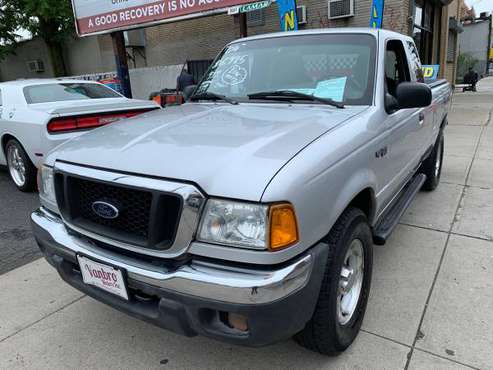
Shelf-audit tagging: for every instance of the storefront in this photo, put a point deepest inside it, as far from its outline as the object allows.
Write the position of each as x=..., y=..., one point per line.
x=424, y=28
x=430, y=31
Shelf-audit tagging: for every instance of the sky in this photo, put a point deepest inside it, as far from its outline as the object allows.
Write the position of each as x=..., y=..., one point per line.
x=481, y=5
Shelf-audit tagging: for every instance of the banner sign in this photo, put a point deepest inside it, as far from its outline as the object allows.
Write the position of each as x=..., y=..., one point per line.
x=287, y=15
x=105, y=16
x=248, y=7
x=376, y=15
x=430, y=71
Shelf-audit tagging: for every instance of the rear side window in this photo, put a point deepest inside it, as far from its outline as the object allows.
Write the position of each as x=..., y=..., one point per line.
x=415, y=62
x=48, y=93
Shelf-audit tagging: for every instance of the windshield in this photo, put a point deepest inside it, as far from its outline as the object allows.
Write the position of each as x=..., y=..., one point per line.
x=334, y=66
x=47, y=93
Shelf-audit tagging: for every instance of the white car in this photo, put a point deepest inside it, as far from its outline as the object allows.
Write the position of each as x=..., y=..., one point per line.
x=38, y=115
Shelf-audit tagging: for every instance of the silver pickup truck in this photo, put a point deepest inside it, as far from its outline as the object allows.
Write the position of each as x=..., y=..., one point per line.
x=249, y=213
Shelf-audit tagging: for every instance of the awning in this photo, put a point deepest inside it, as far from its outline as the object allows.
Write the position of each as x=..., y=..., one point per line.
x=441, y=2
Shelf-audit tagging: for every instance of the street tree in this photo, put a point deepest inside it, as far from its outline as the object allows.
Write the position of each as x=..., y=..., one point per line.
x=51, y=20
x=8, y=31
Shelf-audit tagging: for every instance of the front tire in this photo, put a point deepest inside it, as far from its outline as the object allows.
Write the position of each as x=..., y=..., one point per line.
x=432, y=166
x=21, y=170
x=345, y=287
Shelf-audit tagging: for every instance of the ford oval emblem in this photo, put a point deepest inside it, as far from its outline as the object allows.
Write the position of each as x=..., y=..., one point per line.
x=105, y=210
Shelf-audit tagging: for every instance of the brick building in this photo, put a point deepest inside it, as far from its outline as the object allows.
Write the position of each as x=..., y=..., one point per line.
x=433, y=24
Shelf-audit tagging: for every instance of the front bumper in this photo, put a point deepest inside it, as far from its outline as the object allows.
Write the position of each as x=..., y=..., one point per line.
x=193, y=298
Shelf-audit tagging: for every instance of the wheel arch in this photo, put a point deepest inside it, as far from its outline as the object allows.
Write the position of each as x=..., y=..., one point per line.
x=6, y=137
x=3, y=143
x=365, y=201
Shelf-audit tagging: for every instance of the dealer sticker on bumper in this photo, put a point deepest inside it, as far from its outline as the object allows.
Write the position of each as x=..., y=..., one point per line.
x=102, y=276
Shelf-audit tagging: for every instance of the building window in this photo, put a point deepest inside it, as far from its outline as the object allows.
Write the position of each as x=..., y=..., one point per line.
x=423, y=29
x=451, y=48
x=256, y=18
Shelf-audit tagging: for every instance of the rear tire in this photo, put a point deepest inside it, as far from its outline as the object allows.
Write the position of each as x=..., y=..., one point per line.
x=432, y=166
x=341, y=305
x=21, y=170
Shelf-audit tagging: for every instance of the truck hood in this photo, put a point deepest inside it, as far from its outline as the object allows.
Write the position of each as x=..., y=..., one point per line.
x=227, y=150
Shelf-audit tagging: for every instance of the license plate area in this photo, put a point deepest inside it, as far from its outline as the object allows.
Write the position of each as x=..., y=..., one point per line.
x=102, y=276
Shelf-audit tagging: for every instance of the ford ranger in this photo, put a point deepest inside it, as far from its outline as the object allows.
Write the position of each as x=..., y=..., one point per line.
x=249, y=213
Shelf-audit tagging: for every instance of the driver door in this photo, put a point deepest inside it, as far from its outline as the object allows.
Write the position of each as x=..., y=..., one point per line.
x=403, y=125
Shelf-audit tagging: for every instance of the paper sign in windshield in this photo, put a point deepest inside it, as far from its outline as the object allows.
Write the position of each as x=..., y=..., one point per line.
x=331, y=89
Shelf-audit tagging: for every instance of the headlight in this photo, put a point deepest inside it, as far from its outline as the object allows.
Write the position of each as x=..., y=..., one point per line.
x=248, y=225
x=46, y=186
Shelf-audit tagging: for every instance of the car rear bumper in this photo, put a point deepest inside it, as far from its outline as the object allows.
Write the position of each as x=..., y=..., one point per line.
x=196, y=297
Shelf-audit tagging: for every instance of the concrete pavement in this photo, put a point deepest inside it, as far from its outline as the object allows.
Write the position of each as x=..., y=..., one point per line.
x=430, y=305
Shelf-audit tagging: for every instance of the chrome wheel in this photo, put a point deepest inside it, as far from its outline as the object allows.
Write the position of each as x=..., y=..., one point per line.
x=350, y=282
x=17, y=167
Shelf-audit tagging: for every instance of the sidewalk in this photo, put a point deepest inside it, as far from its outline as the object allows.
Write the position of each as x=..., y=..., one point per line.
x=431, y=305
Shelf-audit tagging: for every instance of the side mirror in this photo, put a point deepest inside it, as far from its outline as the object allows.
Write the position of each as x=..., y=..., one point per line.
x=413, y=95
x=188, y=91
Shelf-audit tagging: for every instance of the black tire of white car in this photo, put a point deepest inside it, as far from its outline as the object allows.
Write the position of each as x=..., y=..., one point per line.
x=325, y=333
x=30, y=172
x=432, y=166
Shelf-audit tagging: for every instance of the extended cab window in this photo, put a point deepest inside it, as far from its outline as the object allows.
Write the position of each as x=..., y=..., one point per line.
x=415, y=62
x=336, y=66
x=396, y=66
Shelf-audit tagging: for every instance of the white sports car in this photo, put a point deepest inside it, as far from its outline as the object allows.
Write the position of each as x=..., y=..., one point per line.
x=38, y=115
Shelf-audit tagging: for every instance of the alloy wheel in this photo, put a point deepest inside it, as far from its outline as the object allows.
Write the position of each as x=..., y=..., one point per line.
x=350, y=282
x=17, y=167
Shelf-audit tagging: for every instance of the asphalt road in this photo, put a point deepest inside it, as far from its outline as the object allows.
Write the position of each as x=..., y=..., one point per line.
x=17, y=245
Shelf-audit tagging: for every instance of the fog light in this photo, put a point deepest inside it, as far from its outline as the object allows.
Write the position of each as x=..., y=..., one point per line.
x=237, y=321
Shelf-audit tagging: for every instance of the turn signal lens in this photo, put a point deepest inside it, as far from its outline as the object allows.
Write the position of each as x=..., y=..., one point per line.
x=283, y=226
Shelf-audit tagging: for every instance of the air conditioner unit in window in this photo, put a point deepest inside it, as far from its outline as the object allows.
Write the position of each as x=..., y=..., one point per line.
x=35, y=66
x=135, y=38
x=341, y=9
x=301, y=14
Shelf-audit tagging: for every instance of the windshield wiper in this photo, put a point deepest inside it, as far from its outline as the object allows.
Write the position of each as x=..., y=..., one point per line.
x=290, y=94
x=212, y=96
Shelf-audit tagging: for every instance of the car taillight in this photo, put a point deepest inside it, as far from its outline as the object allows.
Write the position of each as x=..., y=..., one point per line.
x=62, y=124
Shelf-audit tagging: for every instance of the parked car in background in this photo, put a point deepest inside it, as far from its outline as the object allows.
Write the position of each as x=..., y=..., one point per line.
x=249, y=213
x=38, y=115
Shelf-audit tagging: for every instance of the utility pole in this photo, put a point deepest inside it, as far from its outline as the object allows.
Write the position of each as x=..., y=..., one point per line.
x=121, y=62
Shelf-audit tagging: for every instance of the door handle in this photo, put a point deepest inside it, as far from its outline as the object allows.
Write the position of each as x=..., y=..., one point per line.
x=421, y=118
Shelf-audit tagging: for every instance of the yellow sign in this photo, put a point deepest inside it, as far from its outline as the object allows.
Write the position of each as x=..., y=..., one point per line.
x=491, y=53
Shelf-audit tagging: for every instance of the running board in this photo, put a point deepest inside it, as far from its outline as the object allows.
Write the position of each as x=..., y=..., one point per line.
x=391, y=217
